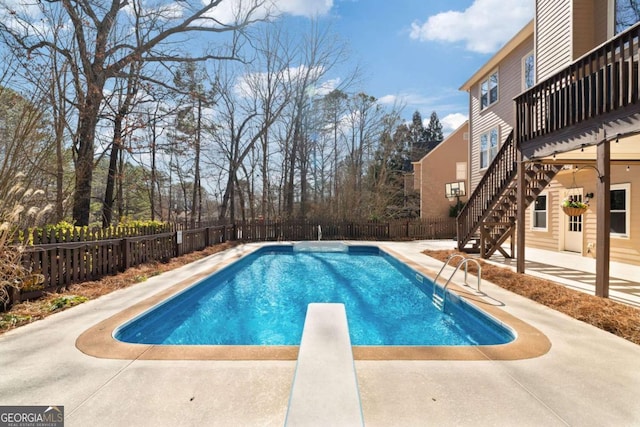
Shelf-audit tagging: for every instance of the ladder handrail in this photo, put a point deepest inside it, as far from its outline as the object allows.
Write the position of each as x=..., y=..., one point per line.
x=465, y=262
x=446, y=262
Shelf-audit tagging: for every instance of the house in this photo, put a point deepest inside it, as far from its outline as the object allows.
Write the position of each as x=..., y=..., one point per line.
x=441, y=175
x=555, y=114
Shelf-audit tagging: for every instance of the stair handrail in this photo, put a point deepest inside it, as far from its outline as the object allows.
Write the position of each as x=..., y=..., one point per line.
x=496, y=179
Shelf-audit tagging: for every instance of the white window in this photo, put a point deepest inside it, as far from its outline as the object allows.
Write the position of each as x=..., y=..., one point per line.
x=461, y=171
x=528, y=71
x=539, y=220
x=620, y=204
x=488, y=147
x=489, y=91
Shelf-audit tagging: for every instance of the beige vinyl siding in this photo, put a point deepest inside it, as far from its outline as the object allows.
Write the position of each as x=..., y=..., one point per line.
x=553, y=36
x=623, y=249
x=590, y=25
x=545, y=239
x=500, y=114
x=601, y=22
x=583, y=27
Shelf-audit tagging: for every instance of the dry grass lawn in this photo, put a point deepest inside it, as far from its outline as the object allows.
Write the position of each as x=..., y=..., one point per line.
x=617, y=318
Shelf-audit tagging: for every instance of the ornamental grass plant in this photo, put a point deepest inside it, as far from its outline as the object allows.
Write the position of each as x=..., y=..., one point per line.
x=20, y=207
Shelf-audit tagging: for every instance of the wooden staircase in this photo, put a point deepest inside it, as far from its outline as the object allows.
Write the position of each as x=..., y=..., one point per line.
x=488, y=219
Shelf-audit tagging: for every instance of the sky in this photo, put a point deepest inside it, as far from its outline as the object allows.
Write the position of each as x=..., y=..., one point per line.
x=412, y=53
x=417, y=53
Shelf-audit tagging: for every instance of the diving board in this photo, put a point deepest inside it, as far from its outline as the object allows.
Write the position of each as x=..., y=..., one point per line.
x=325, y=388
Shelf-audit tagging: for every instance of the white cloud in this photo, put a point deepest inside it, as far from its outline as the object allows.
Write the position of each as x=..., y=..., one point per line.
x=22, y=8
x=230, y=11
x=452, y=122
x=483, y=27
x=406, y=99
x=326, y=87
x=308, y=8
x=388, y=100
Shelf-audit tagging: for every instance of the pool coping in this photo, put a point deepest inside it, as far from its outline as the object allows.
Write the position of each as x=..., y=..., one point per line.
x=98, y=340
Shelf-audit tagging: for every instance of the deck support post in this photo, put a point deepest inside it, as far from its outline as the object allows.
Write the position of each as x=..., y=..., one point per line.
x=520, y=212
x=603, y=218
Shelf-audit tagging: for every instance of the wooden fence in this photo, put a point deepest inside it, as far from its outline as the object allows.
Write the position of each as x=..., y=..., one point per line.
x=79, y=257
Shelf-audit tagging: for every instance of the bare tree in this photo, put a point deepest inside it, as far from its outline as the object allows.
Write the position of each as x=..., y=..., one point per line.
x=193, y=98
x=268, y=82
x=252, y=101
x=98, y=58
x=319, y=53
x=334, y=108
x=125, y=100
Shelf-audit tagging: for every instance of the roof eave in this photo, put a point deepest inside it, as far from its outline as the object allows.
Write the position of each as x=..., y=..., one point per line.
x=492, y=63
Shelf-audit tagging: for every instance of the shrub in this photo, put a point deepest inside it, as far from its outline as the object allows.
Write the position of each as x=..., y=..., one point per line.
x=66, y=301
x=18, y=209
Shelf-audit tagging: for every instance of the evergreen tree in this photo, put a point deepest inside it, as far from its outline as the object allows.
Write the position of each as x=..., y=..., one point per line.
x=417, y=143
x=434, y=129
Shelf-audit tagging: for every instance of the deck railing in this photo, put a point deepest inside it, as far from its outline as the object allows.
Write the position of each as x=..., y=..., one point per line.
x=600, y=82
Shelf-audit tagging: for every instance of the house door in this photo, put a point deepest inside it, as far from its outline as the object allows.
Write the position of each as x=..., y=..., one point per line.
x=573, y=227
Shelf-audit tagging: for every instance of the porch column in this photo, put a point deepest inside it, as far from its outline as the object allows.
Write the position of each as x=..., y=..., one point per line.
x=603, y=218
x=520, y=200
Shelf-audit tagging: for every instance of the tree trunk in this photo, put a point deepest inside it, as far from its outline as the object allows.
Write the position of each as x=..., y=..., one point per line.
x=289, y=183
x=84, y=161
x=59, y=174
x=122, y=204
x=265, y=177
x=196, y=209
x=116, y=144
x=152, y=189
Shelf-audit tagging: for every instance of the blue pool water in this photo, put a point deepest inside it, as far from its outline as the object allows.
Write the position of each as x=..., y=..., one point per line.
x=262, y=300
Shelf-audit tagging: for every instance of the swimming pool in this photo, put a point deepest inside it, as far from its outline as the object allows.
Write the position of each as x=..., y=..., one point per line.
x=262, y=298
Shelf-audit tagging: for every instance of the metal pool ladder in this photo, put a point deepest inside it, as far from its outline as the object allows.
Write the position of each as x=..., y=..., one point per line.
x=439, y=300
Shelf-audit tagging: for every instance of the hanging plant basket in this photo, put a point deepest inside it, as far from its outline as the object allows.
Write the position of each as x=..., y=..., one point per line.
x=573, y=211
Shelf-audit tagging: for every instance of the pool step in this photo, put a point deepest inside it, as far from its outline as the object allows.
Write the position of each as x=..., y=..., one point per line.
x=325, y=388
x=438, y=300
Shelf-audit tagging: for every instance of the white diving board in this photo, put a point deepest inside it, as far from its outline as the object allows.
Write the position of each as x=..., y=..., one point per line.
x=325, y=388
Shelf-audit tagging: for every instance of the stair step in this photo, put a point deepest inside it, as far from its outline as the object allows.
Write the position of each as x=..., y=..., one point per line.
x=499, y=197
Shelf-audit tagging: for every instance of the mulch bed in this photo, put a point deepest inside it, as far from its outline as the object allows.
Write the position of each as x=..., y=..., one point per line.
x=614, y=317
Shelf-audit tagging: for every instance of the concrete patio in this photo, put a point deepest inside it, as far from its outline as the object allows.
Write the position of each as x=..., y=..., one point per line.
x=588, y=378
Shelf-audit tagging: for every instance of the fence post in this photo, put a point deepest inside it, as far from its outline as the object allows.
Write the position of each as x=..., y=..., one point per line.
x=178, y=242
x=126, y=254
x=206, y=237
